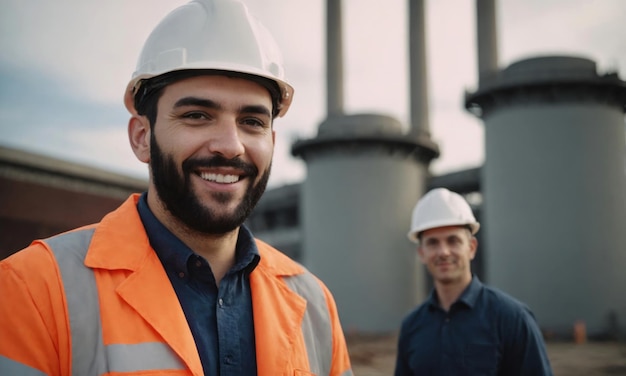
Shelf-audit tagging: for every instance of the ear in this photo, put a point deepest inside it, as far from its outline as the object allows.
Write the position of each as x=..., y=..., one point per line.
x=473, y=247
x=139, y=137
x=420, y=253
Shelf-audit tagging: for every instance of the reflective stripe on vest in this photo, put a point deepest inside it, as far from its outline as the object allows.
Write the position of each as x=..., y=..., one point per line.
x=316, y=327
x=12, y=367
x=90, y=356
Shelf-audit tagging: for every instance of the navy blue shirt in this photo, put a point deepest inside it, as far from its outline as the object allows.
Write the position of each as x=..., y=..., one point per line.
x=485, y=332
x=220, y=319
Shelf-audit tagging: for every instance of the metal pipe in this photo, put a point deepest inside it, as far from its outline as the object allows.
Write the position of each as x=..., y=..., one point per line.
x=487, y=39
x=419, y=128
x=334, y=58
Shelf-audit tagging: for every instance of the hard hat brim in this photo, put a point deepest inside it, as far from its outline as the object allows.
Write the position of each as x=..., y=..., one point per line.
x=286, y=90
x=413, y=234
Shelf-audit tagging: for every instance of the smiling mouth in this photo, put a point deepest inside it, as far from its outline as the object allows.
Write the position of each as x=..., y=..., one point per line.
x=220, y=178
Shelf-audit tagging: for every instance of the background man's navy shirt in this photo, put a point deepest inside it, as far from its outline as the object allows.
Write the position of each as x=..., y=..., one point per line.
x=220, y=319
x=485, y=332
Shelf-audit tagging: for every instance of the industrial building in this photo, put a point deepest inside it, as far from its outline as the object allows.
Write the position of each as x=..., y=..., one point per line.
x=551, y=193
x=42, y=196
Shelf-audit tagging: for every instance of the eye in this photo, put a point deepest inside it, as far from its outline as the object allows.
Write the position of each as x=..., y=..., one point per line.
x=253, y=122
x=454, y=241
x=195, y=115
x=430, y=243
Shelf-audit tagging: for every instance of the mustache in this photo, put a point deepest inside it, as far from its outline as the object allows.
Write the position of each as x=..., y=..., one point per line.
x=446, y=260
x=219, y=161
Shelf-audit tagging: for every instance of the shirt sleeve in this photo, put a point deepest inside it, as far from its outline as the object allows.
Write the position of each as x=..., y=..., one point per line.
x=525, y=351
x=402, y=368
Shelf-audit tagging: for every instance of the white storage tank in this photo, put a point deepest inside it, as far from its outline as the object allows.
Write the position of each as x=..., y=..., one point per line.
x=554, y=188
x=363, y=178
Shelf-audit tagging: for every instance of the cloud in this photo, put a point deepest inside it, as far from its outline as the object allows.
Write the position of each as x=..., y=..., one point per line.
x=91, y=45
x=39, y=114
x=573, y=27
x=30, y=99
x=65, y=65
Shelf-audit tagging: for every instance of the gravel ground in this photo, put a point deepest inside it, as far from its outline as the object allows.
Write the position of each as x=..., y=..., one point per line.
x=375, y=356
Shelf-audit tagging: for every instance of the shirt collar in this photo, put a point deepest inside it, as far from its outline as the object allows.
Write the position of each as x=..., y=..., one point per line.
x=247, y=255
x=471, y=293
x=468, y=297
x=175, y=255
x=432, y=301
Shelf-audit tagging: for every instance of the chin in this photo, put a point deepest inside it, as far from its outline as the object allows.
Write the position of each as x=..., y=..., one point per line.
x=445, y=281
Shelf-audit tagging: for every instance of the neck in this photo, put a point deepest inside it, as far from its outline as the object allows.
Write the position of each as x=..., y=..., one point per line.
x=217, y=249
x=448, y=293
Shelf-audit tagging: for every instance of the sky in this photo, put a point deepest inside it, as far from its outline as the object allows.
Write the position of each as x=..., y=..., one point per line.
x=64, y=66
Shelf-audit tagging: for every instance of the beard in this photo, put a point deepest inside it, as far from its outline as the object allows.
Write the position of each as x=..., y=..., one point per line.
x=175, y=191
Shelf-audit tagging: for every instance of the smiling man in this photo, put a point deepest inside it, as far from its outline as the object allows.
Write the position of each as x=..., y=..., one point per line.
x=172, y=282
x=464, y=327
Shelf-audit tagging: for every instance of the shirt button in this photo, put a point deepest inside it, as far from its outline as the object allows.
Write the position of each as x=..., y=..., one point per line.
x=228, y=359
x=220, y=302
x=181, y=275
x=198, y=263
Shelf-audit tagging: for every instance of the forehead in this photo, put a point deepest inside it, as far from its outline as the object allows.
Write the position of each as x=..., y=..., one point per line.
x=218, y=85
x=444, y=232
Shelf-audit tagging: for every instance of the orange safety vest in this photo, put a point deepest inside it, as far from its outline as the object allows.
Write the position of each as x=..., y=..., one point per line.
x=97, y=301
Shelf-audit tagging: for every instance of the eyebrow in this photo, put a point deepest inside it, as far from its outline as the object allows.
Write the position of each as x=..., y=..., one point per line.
x=195, y=101
x=203, y=102
x=256, y=109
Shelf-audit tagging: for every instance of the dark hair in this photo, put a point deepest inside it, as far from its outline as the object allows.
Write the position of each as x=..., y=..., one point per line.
x=468, y=227
x=149, y=90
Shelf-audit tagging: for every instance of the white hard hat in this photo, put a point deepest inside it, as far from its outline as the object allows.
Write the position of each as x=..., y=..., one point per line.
x=439, y=208
x=211, y=34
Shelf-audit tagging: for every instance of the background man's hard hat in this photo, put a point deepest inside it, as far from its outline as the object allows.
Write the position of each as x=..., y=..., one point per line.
x=439, y=208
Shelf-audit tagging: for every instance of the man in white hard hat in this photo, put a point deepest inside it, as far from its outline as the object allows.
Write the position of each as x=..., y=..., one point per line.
x=172, y=282
x=464, y=327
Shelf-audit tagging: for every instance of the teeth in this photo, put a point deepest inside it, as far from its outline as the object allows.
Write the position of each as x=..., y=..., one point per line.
x=219, y=178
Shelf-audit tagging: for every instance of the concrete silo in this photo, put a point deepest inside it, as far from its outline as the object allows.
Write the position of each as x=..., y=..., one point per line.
x=364, y=174
x=554, y=183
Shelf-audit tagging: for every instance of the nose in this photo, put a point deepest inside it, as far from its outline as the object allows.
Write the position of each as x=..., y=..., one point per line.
x=225, y=139
x=444, y=250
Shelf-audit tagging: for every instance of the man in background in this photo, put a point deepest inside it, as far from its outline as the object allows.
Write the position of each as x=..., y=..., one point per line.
x=464, y=327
